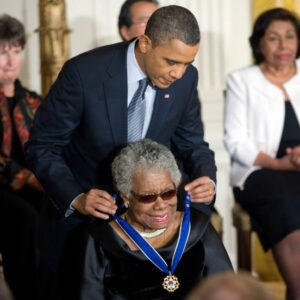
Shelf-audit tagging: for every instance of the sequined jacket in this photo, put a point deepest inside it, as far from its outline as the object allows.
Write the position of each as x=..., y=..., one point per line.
x=11, y=172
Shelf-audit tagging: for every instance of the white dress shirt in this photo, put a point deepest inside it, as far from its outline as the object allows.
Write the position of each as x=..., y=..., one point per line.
x=134, y=74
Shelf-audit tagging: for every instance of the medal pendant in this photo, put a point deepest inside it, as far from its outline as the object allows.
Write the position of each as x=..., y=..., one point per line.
x=171, y=283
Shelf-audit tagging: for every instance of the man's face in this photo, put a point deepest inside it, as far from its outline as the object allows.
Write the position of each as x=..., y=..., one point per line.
x=140, y=13
x=165, y=63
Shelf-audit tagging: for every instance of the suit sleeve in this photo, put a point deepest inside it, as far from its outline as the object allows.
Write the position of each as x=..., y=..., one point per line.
x=54, y=123
x=93, y=273
x=188, y=141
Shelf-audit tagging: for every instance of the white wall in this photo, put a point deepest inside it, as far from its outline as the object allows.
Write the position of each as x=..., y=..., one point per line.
x=225, y=27
x=27, y=11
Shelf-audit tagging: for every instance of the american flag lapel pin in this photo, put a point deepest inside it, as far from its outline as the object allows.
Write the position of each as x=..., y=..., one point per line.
x=167, y=96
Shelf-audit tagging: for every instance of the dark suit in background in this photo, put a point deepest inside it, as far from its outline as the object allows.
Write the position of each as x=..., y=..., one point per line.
x=82, y=125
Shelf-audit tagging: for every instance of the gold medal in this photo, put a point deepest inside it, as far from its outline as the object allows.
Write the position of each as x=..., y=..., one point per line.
x=171, y=283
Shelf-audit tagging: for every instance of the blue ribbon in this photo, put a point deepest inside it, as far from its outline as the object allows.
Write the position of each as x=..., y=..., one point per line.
x=149, y=251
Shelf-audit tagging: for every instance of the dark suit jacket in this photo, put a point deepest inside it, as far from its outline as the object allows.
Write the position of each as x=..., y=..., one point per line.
x=82, y=125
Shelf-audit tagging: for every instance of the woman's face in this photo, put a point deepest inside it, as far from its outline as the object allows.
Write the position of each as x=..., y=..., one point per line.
x=159, y=213
x=10, y=63
x=279, y=44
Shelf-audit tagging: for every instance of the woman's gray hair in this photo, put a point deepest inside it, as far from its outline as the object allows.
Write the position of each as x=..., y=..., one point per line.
x=144, y=154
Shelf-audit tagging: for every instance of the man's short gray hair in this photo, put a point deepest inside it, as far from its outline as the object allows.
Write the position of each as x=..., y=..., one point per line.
x=142, y=155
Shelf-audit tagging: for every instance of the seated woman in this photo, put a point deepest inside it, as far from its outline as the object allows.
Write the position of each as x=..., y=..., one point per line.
x=152, y=251
x=20, y=192
x=262, y=135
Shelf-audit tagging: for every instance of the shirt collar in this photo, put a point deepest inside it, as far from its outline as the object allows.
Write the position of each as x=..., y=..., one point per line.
x=134, y=72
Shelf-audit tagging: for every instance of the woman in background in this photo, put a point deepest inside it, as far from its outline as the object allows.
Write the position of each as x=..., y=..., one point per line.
x=262, y=136
x=20, y=192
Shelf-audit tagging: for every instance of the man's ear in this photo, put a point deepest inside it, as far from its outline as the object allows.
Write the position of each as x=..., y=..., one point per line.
x=124, y=33
x=145, y=44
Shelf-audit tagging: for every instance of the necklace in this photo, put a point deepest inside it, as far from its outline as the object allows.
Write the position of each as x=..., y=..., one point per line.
x=147, y=235
x=152, y=234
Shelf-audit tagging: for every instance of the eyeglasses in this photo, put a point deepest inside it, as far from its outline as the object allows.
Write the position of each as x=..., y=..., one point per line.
x=152, y=198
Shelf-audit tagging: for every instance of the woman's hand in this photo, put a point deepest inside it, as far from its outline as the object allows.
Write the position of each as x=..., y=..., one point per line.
x=97, y=203
x=34, y=184
x=294, y=154
x=266, y=161
x=285, y=163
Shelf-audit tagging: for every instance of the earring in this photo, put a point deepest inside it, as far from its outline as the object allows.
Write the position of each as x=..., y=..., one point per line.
x=126, y=204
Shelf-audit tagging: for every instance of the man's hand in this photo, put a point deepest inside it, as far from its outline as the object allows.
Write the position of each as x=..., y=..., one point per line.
x=201, y=190
x=97, y=203
x=294, y=156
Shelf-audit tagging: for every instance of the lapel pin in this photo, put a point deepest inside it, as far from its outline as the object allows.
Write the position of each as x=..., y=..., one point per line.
x=167, y=96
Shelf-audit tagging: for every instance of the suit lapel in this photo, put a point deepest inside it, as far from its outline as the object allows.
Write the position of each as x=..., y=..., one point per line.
x=115, y=88
x=162, y=106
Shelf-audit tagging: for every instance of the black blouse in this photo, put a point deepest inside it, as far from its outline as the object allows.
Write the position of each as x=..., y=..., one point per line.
x=291, y=130
x=113, y=271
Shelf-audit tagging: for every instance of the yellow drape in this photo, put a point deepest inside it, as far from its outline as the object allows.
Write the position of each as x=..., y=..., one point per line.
x=259, y=6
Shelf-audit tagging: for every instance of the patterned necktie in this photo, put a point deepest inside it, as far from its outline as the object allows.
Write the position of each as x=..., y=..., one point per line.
x=136, y=112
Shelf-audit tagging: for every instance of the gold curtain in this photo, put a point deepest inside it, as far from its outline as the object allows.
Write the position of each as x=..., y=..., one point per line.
x=259, y=6
x=54, y=40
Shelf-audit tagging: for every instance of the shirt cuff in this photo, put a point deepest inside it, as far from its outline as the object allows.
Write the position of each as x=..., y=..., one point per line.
x=210, y=202
x=71, y=209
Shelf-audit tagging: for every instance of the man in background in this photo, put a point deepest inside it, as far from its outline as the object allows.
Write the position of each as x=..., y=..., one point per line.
x=133, y=18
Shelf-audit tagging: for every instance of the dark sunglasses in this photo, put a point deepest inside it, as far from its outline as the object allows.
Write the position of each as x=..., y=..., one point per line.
x=152, y=198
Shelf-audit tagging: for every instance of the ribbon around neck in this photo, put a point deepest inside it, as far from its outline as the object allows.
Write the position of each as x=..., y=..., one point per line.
x=149, y=251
